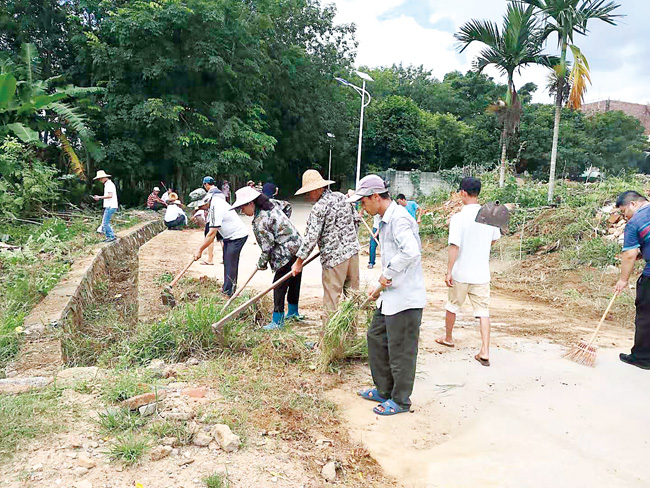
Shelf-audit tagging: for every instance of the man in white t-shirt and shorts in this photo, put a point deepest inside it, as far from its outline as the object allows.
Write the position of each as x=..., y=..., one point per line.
x=468, y=267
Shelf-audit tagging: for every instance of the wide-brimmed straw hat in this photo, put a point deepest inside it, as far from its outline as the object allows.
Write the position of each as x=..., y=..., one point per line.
x=312, y=180
x=101, y=174
x=245, y=195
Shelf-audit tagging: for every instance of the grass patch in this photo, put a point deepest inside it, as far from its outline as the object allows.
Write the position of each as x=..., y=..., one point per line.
x=117, y=421
x=124, y=386
x=216, y=481
x=171, y=428
x=128, y=449
x=26, y=416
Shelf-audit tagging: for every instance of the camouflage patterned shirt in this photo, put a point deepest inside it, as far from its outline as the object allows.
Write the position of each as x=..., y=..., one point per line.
x=333, y=224
x=277, y=237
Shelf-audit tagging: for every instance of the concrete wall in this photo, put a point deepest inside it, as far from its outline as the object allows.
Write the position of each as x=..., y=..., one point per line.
x=414, y=184
x=40, y=353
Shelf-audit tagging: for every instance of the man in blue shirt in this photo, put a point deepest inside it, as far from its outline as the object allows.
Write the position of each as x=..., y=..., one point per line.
x=636, y=209
x=411, y=207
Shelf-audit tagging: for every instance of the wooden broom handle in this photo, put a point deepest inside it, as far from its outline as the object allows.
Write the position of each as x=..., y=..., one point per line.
x=239, y=290
x=602, y=319
x=372, y=236
x=260, y=295
x=180, y=275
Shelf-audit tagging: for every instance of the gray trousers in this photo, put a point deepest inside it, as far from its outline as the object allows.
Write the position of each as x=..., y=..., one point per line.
x=393, y=352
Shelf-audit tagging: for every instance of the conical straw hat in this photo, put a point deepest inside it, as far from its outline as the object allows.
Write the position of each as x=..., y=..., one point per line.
x=312, y=180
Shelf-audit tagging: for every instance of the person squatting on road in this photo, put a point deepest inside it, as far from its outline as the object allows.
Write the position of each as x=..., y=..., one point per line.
x=468, y=267
x=279, y=242
x=175, y=217
x=221, y=218
x=636, y=244
x=154, y=202
x=110, y=204
x=395, y=329
x=333, y=225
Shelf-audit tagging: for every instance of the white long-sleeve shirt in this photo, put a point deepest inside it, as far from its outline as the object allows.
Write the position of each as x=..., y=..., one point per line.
x=401, y=259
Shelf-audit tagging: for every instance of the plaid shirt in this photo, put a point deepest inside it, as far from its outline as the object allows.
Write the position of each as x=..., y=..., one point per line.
x=333, y=224
x=277, y=237
x=153, y=198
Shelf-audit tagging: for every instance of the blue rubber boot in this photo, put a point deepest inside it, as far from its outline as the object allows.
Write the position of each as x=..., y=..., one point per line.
x=277, y=321
x=292, y=313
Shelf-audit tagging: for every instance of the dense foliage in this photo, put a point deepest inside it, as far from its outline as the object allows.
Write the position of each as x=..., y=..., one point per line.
x=246, y=90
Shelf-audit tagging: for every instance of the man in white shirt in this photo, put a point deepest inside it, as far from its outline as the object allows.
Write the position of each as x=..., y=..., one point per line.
x=110, y=204
x=175, y=217
x=223, y=219
x=394, y=332
x=468, y=267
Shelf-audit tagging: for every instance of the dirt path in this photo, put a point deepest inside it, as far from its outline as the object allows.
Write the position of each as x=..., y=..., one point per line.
x=532, y=419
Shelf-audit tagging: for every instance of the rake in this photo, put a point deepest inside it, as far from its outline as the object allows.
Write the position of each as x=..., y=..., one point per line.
x=585, y=352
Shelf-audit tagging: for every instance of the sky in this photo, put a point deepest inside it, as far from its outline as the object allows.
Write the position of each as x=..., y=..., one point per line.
x=420, y=32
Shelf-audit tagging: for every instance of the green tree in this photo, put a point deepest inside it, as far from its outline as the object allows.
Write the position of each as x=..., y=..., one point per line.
x=516, y=45
x=618, y=141
x=567, y=18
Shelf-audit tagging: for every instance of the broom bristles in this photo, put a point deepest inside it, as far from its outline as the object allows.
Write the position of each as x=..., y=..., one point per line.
x=582, y=353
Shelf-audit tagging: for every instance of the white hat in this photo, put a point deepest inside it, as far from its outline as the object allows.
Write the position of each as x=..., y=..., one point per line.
x=368, y=185
x=245, y=195
x=199, y=203
x=155, y=188
x=312, y=180
x=101, y=174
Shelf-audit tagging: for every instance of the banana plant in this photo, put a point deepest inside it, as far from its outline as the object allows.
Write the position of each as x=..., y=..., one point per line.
x=30, y=106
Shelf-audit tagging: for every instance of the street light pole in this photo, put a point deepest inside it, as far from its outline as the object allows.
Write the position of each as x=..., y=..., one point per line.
x=329, y=170
x=363, y=100
x=361, y=91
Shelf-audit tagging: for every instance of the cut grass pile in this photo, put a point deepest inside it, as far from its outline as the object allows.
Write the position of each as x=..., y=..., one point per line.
x=340, y=339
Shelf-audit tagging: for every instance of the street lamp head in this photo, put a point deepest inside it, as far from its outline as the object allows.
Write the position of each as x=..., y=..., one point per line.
x=329, y=134
x=342, y=81
x=364, y=76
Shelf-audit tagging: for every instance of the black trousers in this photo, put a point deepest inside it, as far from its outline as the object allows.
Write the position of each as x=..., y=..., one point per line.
x=156, y=206
x=393, y=353
x=641, y=349
x=290, y=287
x=231, y=251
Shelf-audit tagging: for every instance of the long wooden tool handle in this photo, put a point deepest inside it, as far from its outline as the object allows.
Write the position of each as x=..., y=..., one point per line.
x=239, y=290
x=180, y=275
x=260, y=294
x=367, y=300
x=602, y=319
x=372, y=236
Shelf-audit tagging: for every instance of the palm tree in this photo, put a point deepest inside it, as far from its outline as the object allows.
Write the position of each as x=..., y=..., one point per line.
x=31, y=107
x=517, y=44
x=566, y=18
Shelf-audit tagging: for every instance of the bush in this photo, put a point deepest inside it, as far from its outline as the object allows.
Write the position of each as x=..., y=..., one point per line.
x=26, y=184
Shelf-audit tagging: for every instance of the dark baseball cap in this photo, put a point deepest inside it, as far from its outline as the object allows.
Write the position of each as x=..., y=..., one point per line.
x=208, y=180
x=471, y=185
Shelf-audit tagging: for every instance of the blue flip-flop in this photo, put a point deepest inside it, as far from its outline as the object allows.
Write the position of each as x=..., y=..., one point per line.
x=372, y=395
x=390, y=408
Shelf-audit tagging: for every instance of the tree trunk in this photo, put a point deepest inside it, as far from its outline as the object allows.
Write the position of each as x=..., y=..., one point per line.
x=502, y=170
x=556, y=126
x=556, y=136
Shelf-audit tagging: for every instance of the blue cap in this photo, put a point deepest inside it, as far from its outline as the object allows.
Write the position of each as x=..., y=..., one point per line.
x=208, y=180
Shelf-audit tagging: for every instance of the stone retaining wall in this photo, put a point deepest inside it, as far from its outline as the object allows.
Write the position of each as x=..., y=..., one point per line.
x=40, y=353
